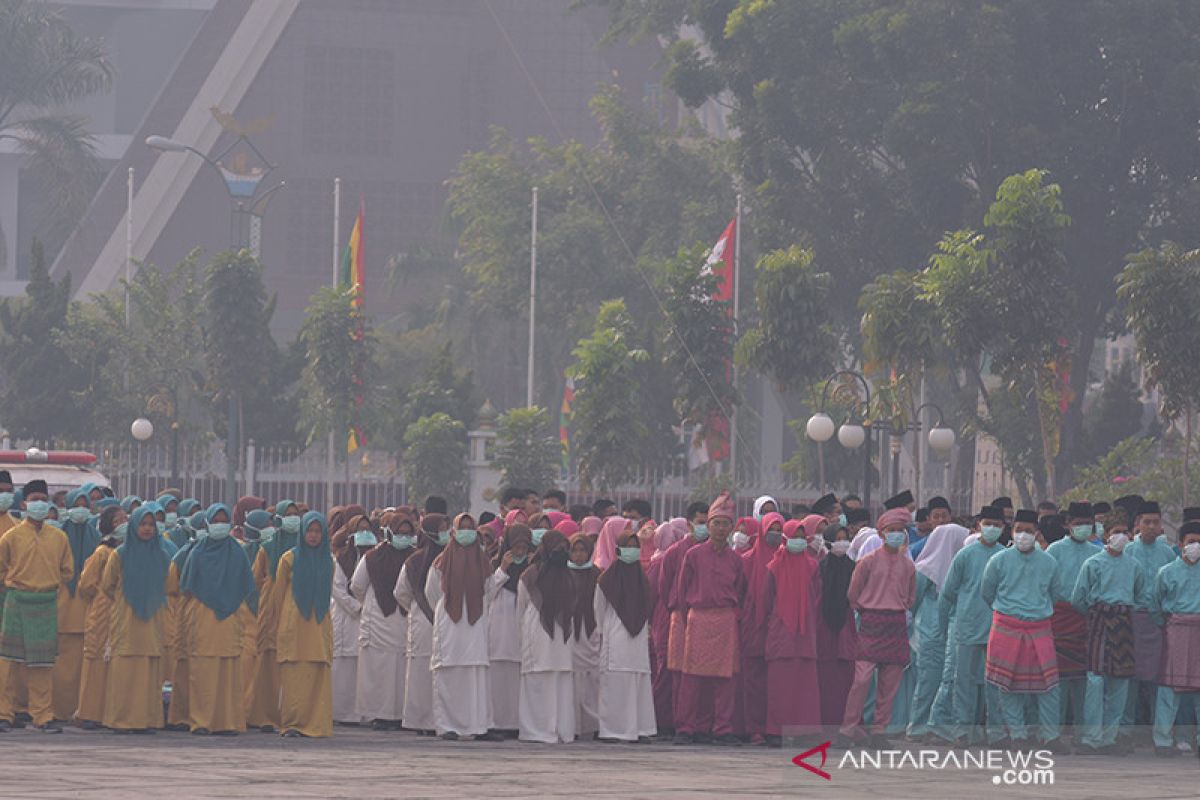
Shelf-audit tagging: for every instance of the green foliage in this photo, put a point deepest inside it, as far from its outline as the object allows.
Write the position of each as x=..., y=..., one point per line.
x=611, y=426
x=1140, y=465
x=793, y=341
x=899, y=329
x=435, y=459
x=527, y=450
x=1116, y=413
x=443, y=389
x=338, y=349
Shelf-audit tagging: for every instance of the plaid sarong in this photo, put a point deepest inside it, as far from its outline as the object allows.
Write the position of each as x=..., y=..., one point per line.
x=1110, y=641
x=1147, y=647
x=711, y=646
x=1020, y=655
x=676, y=635
x=882, y=637
x=1181, y=654
x=1070, y=640
x=29, y=631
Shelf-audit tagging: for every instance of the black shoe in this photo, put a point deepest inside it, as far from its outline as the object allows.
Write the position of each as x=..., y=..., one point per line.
x=684, y=739
x=1056, y=746
x=50, y=727
x=266, y=728
x=23, y=717
x=643, y=740
x=608, y=740
x=5, y=726
x=144, y=731
x=879, y=742
x=450, y=736
x=727, y=740
x=490, y=736
x=225, y=733
x=1088, y=750
x=843, y=742
x=291, y=733
x=380, y=725
x=200, y=732
x=122, y=731
x=703, y=738
x=176, y=726
x=88, y=725
x=1165, y=752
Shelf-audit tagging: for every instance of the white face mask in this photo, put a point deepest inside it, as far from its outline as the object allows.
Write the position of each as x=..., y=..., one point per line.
x=1117, y=542
x=1191, y=552
x=840, y=548
x=1024, y=541
x=740, y=541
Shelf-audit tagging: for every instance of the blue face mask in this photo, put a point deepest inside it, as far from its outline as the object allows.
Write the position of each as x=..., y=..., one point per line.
x=520, y=559
x=403, y=542
x=162, y=527
x=842, y=520
x=1099, y=530
x=443, y=538
x=37, y=510
x=990, y=533
x=1081, y=533
x=364, y=539
x=290, y=524
x=538, y=533
x=53, y=523
x=6, y=501
x=172, y=518
x=465, y=537
x=700, y=532
x=219, y=530
x=585, y=565
x=120, y=531
x=796, y=545
x=79, y=515
x=266, y=534
x=630, y=555
x=895, y=539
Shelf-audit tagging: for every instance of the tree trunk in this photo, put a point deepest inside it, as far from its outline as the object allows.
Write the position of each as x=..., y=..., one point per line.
x=1047, y=455
x=1072, y=424
x=1187, y=452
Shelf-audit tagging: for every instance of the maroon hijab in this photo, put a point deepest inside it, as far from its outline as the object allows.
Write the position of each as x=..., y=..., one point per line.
x=627, y=590
x=384, y=563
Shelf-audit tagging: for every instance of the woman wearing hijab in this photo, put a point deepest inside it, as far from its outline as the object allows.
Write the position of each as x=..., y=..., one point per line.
x=764, y=505
x=606, y=545
x=418, y=647
x=836, y=642
x=585, y=643
x=745, y=534
x=754, y=623
x=383, y=625
x=93, y=683
x=181, y=531
x=217, y=579
x=591, y=527
x=177, y=630
x=256, y=525
x=135, y=583
x=304, y=642
x=504, y=629
x=349, y=545
x=72, y=608
x=275, y=538
x=623, y=607
x=666, y=535
x=546, y=605
x=792, y=600
x=457, y=589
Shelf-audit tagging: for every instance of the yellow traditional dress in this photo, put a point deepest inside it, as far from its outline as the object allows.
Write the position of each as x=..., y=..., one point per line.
x=177, y=648
x=262, y=698
x=305, y=652
x=94, y=680
x=135, y=672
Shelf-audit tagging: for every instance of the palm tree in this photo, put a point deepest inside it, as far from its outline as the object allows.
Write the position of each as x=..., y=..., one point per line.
x=44, y=65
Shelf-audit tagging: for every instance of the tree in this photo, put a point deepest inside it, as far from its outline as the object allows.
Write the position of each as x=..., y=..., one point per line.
x=45, y=65
x=435, y=459
x=1116, y=413
x=609, y=414
x=527, y=451
x=338, y=347
x=443, y=388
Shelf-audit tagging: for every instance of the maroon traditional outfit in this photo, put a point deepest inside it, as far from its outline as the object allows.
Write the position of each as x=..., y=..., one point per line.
x=669, y=595
x=792, y=599
x=753, y=630
x=711, y=588
x=882, y=589
x=667, y=534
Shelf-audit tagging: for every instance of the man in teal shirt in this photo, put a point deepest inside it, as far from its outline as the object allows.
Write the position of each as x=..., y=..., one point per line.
x=960, y=598
x=1109, y=586
x=1150, y=549
x=1176, y=603
x=1021, y=584
x=1070, y=627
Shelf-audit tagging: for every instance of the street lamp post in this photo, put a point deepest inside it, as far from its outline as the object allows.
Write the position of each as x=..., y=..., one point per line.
x=820, y=430
x=141, y=430
x=241, y=180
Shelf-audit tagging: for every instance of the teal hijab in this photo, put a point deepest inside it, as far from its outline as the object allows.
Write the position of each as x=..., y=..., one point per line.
x=128, y=501
x=182, y=532
x=256, y=520
x=144, y=568
x=312, y=571
x=282, y=541
x=83, y=536
x=217, y=573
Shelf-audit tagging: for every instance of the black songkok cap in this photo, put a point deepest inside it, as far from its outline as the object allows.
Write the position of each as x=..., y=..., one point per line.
x=1025, y=515
x=35, y=486
x=991, y=512
x=1003, y=502
x=1078, y=510
x=899, y=501
x=823, y=504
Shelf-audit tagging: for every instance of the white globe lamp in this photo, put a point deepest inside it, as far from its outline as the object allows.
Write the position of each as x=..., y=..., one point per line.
x=142, y=429
x=851, y=436
x=819, y=427
x=941, y=439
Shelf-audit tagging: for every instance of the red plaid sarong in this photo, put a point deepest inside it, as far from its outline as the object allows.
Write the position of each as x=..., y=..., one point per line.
x=676, y=635
x=1181, y=654
x=882, y=637
x=711, y=648
x=1070, y=640
x=1020, y=655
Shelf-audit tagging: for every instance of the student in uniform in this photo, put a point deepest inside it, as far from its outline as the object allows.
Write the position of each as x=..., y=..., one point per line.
x=585, y=637
x=178, y=634
x=274, y=540
x=93, y=685
x=504, y=627
x=836, y=633
x=545, y=606
x=754, y=622
x=72, y=608
x=1176, y=605
x=350, y=543
x=1150, y=549
x=1070, y=627
x=418, y=648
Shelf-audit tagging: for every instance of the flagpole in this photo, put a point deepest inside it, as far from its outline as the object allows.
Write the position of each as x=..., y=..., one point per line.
x=737, y=267
x=330, y=463
x=128, y=259
x=532, y=299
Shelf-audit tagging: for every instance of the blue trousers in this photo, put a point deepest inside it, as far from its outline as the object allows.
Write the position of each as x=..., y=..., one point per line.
x=1103, y=705
x=941, y=714
x=1167, y=705
x=1071, y=693
x=931, y=660
x=969, y=689
x=1016, y=706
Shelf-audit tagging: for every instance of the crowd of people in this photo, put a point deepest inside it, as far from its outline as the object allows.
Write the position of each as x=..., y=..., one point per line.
x=551, y=623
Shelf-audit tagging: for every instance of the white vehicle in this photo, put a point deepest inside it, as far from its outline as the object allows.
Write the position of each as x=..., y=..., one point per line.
x=62, y=470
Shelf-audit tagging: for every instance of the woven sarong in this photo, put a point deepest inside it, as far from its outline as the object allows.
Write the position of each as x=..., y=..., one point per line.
x=710, y=648
x=1147, y=647
x=1181, y=653
x=1020, y=655
x=676, y=635
x=1070, y=641
x=1110, y=641
x=29, y=632
x=882, y=637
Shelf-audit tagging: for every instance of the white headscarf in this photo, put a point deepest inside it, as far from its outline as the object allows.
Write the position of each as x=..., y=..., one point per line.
x=943, y=543
x=760, y=502
x=864, y=535
x=874, y=543
x=972, y=539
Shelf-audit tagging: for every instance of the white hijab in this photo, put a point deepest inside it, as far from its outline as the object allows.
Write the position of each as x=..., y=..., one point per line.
x=943, y=543
x=864, y=535
x=760, y=502
x=874, y=543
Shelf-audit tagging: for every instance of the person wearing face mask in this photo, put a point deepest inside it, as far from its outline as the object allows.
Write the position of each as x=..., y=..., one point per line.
x=7, y=500
x=836, y=634
x=181, y=531
x=791, y=601
x=545, y=606
x=585, y=637
x=753, y=626
x=1108, y=587
x=504, y=632
x=1176, y=605
x=1070, y=626
x=621, y=609
x=277, y=534
x=218, y=579
x=938, y=513
x=1021, y=584
x=111, y=526
x=667, y=535
x=418, y=647
x=83, y=538
x=882, y=589
x=304, y=641
x=178, y=635
x=457, y=589
x=350, y=542
x=668, y=590
x=828, y=507
x=253, y=521
x=960, y=598
x=711, y=589
x=764, y=505
x=383, y=625
x=1151, y=550
x=856, y=520
x=606, y=545
x=745, y=534
x=35, y=563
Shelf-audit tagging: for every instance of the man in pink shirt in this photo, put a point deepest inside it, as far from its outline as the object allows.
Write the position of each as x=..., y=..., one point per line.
x=882, y=589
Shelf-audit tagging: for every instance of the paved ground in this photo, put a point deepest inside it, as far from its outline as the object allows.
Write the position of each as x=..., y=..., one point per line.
x=363, y=764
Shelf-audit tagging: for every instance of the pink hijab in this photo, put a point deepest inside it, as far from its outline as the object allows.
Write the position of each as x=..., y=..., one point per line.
x=567, y=527
x=606, y=546
x=668, y=534
x=557, y=517
x=755, y=562
x=591, y=526
x=515, y=516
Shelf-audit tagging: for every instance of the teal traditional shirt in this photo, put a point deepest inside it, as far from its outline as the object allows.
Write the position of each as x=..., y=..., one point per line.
x=960, y=592
x=1176, y=590
x=1022, y=585
x=1151, y=558
x=1105, y=578
x=1070, y=556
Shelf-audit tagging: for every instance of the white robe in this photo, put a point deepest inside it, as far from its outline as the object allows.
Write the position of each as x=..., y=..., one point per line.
x=459, y=662
x=547, y=705
x=344, y=612
x=381, y=664
x=504, y=653
x=626, y=703
x=585, y=657
x=418, y=646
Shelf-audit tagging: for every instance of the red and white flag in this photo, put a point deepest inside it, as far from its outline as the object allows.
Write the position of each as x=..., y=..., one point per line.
x=712, y=440
x=720, y=262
